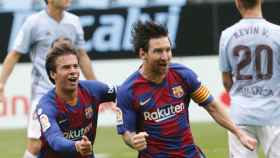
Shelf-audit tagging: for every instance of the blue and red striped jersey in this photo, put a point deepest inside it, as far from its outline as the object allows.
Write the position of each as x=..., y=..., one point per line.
x=161, y=110
x=62, y=124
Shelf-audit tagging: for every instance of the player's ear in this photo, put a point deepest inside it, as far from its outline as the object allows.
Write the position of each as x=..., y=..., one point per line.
x=52, y=74
x=142, y=54
x=237, y=3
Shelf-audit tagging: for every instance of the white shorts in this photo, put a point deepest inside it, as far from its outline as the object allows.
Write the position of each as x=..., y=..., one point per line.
x=33, y=126
x=267, y=136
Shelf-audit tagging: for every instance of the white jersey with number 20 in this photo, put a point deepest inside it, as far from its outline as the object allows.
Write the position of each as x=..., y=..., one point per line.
x=250, y=50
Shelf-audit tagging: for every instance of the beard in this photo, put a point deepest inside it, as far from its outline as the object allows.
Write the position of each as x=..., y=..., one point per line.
x=160, y=68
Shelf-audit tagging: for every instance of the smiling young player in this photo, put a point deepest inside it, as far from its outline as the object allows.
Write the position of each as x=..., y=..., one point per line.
x=68, y=113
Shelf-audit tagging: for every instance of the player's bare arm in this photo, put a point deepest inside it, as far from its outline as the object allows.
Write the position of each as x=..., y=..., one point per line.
x=219, y=115
x=136, y=141
x=7, y=68
x=227, y=80
x=85, y=64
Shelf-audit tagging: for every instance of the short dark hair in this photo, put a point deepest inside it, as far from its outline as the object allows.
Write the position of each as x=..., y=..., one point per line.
x=58, y=50
x=46, y=1
x=142, y=32
x=248, y=4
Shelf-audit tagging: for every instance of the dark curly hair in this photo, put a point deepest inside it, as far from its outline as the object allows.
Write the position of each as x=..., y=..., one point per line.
x=59, y=49
x=142, y=32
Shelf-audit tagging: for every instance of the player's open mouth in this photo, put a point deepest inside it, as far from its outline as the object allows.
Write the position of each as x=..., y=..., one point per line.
x=163, y=64
x=73, y=79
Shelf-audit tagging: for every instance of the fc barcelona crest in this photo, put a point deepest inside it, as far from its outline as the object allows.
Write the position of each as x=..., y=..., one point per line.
x=178, y=91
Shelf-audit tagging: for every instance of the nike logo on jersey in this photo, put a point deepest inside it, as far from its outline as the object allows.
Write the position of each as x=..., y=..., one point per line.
x=142, y=103
x=62, y=121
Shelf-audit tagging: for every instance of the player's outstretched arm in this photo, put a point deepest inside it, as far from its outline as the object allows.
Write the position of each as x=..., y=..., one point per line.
x=8, y=65
x=220, y=116
x=51, y=131
x=136, y=141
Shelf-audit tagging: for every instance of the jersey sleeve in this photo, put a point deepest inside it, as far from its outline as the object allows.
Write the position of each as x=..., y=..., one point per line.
x=23, y=39
x=51, y=131
x=198, y=92
x=102, y=91
x=80, y=41
x=126, y=115
x=224, y=63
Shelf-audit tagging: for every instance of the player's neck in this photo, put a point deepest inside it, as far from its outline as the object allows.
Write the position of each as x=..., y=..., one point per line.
x=151, y=75
x=252, y=13
x=55, y=13
x=69, y=97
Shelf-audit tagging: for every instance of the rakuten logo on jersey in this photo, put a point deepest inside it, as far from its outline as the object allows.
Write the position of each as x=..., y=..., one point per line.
x=164, y=113
x=76, y=134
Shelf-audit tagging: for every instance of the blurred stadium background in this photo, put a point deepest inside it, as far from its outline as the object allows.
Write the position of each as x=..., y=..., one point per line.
x=195, y=27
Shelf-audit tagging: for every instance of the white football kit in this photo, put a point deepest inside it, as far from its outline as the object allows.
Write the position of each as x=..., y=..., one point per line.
x=250, y=51
x=35, y=37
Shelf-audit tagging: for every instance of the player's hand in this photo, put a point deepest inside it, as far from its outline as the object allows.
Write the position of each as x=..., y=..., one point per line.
x=247, y=141
x=107, y=106
x=84, y=146
x=138, y=141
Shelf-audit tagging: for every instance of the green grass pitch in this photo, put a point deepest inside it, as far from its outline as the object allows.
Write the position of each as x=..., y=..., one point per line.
x=211, y=138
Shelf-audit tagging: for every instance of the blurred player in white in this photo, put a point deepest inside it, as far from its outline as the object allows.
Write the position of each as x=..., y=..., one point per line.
x=35, y=37
x=250, y=65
